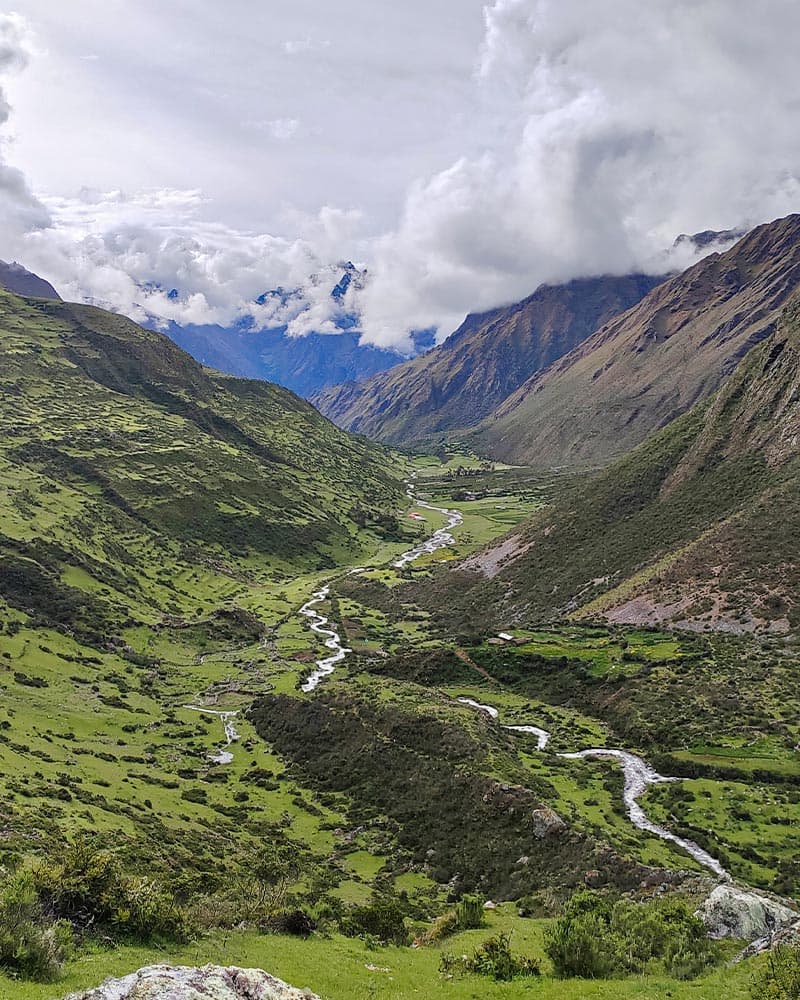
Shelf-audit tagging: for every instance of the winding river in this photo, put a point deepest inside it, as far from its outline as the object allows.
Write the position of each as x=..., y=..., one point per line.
x=638, y=776
x=318, y=623
x=637, y=773
x=321, y=625
x=223, y=755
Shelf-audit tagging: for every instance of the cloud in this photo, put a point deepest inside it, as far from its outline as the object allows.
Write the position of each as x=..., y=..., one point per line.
x=299, y=46
x=465, y=156
x=283, y=128
x=150, y=255
x=626, y=124
x=20, y=210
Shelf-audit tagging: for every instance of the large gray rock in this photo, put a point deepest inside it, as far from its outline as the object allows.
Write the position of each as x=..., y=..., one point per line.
x=211, y=982
x=730, y=912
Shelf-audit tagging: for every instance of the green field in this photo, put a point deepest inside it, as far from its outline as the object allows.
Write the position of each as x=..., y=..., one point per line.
x=339, y=968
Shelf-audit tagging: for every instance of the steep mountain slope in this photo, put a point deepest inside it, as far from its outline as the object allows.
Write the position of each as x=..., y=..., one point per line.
x=699, y=526
x=646, y=367
x=15, y=278
x=116, y=446
x=457, y=384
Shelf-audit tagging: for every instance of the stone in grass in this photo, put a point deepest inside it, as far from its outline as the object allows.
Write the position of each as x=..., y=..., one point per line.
x=211, y=982
x=731, y=912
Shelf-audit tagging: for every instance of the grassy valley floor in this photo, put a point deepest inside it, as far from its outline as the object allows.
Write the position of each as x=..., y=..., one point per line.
x=105, y=737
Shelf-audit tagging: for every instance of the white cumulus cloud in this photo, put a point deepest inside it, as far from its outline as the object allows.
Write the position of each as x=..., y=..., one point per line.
x=466, y=152
x=626, y=123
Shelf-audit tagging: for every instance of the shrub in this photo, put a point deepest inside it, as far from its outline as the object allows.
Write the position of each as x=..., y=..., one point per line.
x=780, y=977
x=599, y=936
x=492, y=958
x=382, y=919
x=470, y=913
x=295, y=922
x=90, y=890
x=30, y=946
x=467, y=915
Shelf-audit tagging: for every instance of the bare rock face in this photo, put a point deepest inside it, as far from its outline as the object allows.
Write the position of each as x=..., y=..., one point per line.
x=211, y=982
x=546, y=823
x=730, y=912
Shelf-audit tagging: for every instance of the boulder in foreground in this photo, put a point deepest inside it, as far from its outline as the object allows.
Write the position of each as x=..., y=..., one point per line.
x=211, y=982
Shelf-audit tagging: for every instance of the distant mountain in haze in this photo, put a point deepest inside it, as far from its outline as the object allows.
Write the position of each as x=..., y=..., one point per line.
x=710, y=239
x=305, y=364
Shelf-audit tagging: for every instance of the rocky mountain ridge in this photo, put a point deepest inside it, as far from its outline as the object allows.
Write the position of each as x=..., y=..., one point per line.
x=697, y=528
x=644, y=368
x=460, y=382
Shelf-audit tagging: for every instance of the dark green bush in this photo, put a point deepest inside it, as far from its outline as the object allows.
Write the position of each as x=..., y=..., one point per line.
x=779, y=979
x=467, y=915
x=600, y=936
x=381, y=919
x=470, y=913
x=90, y=889
x=31, y=946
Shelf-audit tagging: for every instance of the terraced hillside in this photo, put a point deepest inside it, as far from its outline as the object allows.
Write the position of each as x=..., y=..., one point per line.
x=457, y=384
x=643, y=369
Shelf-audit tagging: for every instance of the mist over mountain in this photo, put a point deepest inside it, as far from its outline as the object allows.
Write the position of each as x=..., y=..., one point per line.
x=644, y=368
x=461, y=381
x=15, y=278
x=293, y=353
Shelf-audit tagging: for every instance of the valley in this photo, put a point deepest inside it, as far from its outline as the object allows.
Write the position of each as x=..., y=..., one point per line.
x=187, y=798
x=281, y=670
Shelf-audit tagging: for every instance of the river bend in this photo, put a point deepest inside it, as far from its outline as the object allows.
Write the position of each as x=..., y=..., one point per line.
x=637, y=773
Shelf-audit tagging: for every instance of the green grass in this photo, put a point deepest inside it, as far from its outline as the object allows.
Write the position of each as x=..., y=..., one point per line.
x=339, y=968
x=161, y=527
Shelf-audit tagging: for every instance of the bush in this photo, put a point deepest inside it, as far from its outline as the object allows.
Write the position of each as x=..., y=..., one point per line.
x=599, y=936
x=298, y=923
x=382, y=920
x=492, y=958
x=30, y=946
x=90, y=890
x=467, y=915
x=780, y=977
x=470, y=913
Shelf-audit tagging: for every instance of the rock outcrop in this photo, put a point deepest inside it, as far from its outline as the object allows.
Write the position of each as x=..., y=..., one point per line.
x=211, y=982
x=730, y=912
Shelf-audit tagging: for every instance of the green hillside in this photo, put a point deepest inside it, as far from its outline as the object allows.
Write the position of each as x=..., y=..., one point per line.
x=159, y=523
x=162, y=526
x=696, y=528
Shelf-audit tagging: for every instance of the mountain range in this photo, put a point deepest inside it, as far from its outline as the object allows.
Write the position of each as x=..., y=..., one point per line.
x=580, y=373
x=185, y=556
x=697, y=528
x=642, y=369
x=457, y=384
x=304, y=362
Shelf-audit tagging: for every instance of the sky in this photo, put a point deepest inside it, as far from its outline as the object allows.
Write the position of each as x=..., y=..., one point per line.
x=462, y=151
